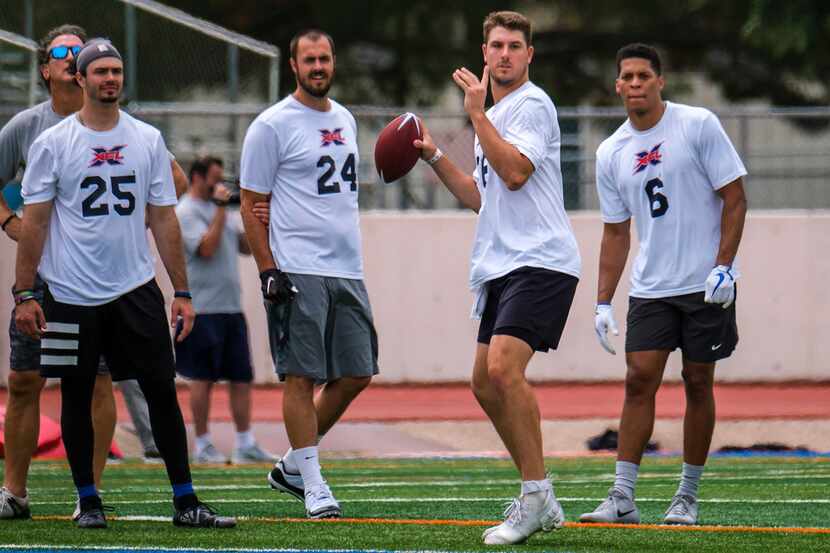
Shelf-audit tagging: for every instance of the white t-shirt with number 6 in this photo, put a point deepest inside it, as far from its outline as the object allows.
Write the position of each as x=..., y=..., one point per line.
x=307, y=160
x=667, y=178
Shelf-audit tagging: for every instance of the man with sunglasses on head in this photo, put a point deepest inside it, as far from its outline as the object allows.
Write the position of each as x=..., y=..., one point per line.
x=56, y=55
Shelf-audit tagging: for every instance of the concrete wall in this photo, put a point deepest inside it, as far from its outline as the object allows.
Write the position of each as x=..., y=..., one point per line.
x=416, y=273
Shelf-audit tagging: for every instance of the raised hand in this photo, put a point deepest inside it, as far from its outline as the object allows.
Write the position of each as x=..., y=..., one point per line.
x=475, y=90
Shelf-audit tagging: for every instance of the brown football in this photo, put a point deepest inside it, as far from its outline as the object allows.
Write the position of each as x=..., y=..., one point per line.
x=395, y=155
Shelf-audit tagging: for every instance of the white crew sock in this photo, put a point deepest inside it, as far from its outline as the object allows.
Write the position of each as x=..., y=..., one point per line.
x=202, y=442
x=626, y=477
x=308, y=462
x=245, y=439
x=288, y=459
x=533, y=486
x=689, y=480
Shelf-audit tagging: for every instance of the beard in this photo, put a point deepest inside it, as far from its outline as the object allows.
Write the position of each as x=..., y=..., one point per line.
x=503, y=82
x=306, y=85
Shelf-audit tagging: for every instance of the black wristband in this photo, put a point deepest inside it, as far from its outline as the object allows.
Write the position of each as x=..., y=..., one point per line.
x=182, y=294
x=7, y=221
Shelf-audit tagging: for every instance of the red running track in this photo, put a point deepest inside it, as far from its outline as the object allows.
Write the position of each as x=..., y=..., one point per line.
x=557, y=401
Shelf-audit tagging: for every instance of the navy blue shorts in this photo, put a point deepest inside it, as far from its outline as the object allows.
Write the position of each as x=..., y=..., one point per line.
x=216, y=349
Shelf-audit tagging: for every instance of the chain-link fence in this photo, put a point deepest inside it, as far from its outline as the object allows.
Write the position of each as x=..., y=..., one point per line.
x=168, y=54
x=787, y=151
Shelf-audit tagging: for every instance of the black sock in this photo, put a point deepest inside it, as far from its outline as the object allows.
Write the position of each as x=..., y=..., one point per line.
x=168, y=427
x=76, y=426
x=185, y=501
x=91, y=502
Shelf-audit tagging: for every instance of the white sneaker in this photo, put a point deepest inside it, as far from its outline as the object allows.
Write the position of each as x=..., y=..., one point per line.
x=210, y=455
x=251, y=454
x=12, y=506
x=76, y=514
x=524, y=517
x=617, y=508
x=683, y=510
x=320, y=503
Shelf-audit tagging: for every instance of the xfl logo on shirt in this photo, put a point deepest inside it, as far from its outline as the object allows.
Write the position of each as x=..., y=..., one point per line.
x=111, y=156
x=332, y=137
x=646, y=158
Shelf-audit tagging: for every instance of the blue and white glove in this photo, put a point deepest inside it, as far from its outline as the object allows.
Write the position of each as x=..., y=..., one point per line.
x=603, y=322
x=720, y=286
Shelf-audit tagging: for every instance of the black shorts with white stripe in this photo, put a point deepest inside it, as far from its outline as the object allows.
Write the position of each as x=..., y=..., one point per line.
x=130, y=332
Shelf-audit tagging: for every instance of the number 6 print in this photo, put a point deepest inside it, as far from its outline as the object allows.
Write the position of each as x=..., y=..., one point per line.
x=658, y=203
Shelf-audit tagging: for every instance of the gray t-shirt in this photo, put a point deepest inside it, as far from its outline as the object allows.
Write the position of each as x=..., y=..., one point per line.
x=214, y=281
x=18, y=134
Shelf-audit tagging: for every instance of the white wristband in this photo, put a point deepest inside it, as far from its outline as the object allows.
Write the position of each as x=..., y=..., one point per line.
x=434, y=159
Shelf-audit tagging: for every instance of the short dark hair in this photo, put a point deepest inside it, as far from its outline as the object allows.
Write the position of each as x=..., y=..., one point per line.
x=513, y=21
x=52, y=34
x=640, y=50
x=202, y=165
x=313, y=35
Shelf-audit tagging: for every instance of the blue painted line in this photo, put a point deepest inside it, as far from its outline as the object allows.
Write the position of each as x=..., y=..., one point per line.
x=748, y=453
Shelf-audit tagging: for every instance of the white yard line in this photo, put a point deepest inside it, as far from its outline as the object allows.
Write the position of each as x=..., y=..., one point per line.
x=451, y=500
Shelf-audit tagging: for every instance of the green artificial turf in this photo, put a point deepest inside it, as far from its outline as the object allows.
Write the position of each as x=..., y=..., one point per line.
x=757, y=492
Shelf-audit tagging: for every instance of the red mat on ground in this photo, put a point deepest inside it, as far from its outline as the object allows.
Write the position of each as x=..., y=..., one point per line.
x=556, y=401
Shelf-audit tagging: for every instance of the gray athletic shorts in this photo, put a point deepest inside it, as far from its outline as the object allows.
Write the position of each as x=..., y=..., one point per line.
x=326, y=332
x=25, y=351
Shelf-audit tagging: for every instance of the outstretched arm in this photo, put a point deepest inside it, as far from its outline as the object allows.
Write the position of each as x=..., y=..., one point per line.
x=165, y=228
x=732, y=221
x=460, y=184
x=616, y=241
x=255, y=231
x=11, y=223
x=28, y=314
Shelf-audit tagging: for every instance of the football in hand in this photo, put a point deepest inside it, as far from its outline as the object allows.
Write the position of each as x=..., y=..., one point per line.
x=395, y=155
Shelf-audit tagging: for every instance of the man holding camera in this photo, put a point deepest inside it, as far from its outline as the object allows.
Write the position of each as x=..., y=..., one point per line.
x=217, y=349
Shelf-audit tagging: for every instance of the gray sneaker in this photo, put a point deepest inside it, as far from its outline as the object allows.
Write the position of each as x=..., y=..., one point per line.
x=210, y=455
x=12, y=506
x=683, y=510
x=525, y=516
x=252, y=454
x=617, y=508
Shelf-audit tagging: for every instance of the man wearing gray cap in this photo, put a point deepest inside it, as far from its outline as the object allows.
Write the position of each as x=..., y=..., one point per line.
x=56, y=55
x=103, y=172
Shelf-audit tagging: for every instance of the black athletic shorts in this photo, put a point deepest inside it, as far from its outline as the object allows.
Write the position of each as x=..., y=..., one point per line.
x=704, y=332
x=530, y=304
x=130, y=332
x=216, y=349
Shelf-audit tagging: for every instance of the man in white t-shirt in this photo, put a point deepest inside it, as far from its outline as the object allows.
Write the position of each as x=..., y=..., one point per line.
x=56, y=54
x=92, y=180
x=303, y=153
x=672, y=169
x=525, y=261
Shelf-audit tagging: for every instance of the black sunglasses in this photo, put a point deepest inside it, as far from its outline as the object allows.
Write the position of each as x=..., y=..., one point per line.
x=60, y=52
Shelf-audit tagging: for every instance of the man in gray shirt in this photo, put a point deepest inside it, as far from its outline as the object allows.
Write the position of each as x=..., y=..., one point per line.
x=217, y=349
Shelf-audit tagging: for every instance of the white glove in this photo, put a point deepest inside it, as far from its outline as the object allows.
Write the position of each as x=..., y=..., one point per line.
x=604, y=322
x=720, y=286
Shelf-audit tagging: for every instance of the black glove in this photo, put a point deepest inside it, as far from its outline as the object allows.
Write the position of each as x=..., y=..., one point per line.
x=277, y=287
